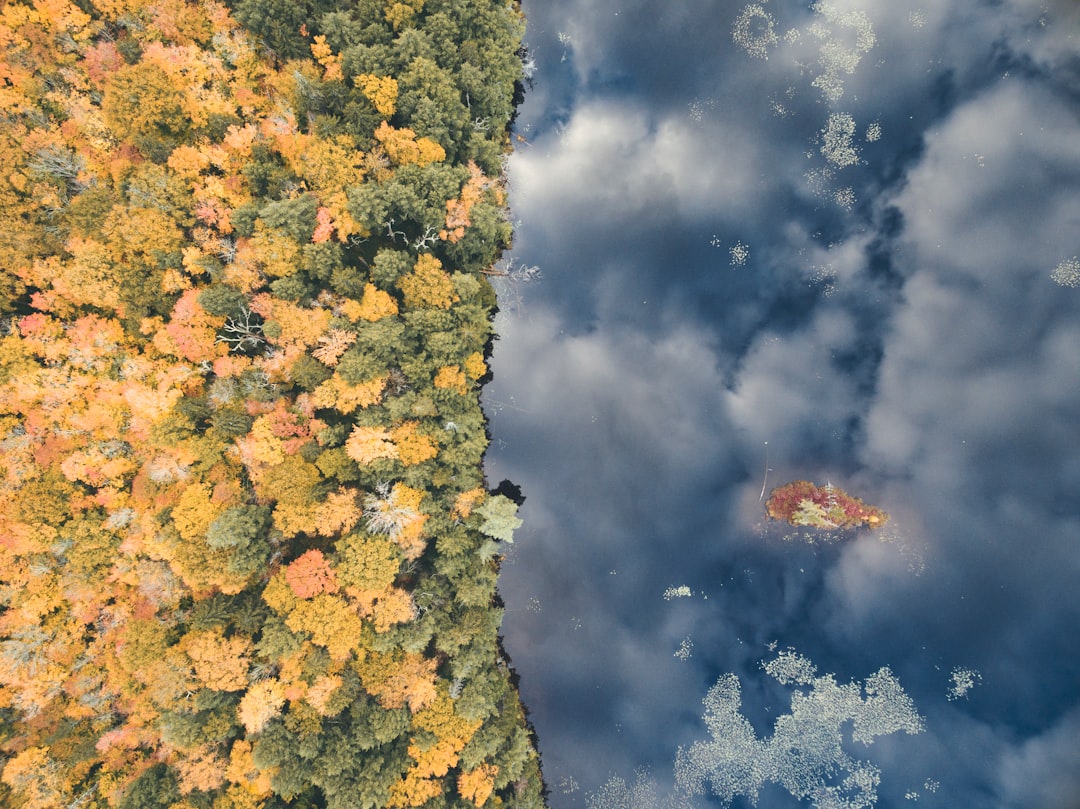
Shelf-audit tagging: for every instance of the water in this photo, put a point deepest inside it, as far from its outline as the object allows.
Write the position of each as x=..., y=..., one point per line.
x=852, y=261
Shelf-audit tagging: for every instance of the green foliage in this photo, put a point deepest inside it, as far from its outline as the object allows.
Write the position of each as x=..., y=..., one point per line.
x=294, y=216
x=222, y=300
x=278, y=23
x=308, y=372
x=140, y=99
x=231, y=422
x=389, y=266
x=238, y=527
x=500, y=517
x=157, y=788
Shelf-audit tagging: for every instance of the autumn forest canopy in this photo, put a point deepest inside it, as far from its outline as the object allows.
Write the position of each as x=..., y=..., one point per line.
x=248, y=555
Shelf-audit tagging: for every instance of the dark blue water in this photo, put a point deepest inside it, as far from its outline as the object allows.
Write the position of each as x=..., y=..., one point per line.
x=852, y=261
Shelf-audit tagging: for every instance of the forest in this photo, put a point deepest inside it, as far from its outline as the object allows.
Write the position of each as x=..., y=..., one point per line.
x=248, y=554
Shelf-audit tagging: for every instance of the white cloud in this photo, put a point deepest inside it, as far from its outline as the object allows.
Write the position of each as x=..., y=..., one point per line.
x=786, y=386
x=987, y=197
x=1041, y=771
x=613, y=162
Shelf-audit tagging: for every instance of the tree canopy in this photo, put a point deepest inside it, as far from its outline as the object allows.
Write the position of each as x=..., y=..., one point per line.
x=245, y=538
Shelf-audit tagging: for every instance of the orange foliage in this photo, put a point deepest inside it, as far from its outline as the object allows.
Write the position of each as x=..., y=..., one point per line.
x=142, y=454
x=202, y=769
x=477, y=785
x=324, y=225
x=466, y=501
x=338, y=513
x=395, y=606
x=220, y=663
x=332, y=345
x=458, y=210
x=310, y=574
x=191, y=333
x=320, y=692
x=451, y=377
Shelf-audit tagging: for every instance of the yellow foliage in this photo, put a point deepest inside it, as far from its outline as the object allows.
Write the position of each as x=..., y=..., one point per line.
x=89, y=277
x=413, y=790
x=452, y=732
x=320, y=692
x=381, y=91
x=413, y=447
x=194, y=512
x=242, y=771
x=475, y=367
x=277, y=252
x=406, y=497
x=36, y=778
x=220, y=663
x=451, y=377
x=373, y=305
x=403, y=147
x=368, y=564
x=326, y=57
x=368, y=444
x=338, y=513
x=477, y=785
x=262, y=444
x=188, y=162
x=330, y=620
x=262, y=702
x=297, y=325
x=241, y=797
x=395, y=606
x=398, y=679
x=400, y=14
x=428, y=285
x=331, y=163
x=279, y=595
x=296, y=518
x=336, y=392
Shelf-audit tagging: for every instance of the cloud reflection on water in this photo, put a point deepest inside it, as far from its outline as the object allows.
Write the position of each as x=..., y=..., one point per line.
x=913, y=349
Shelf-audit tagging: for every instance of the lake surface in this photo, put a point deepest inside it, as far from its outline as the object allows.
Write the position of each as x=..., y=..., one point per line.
x=780, y=241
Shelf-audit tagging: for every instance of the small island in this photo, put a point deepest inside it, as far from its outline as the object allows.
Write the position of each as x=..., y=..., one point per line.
x=803, y=503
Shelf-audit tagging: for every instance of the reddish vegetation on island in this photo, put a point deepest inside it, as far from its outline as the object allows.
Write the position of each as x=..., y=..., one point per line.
x=804, y=504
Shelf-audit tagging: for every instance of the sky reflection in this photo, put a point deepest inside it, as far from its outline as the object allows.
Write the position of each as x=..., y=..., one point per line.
x=893, y=327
